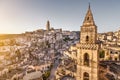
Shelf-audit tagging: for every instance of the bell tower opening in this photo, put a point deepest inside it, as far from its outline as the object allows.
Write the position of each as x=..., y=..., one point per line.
x=86, y=59
x=88, y=18
x=85, y=76
x=87, y=38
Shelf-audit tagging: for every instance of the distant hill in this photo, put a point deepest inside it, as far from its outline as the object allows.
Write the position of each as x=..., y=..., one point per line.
x=9, y=36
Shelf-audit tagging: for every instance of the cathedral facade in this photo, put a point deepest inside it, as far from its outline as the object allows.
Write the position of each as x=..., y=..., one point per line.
x=87, y=50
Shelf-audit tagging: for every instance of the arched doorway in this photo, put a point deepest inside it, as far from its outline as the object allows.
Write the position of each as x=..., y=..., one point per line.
x=85, y=76
x=86, y=59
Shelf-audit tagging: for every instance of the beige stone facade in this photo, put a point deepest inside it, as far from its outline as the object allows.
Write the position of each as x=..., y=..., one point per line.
x=111, y=54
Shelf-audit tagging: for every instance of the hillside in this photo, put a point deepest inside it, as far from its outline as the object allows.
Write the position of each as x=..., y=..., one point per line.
x=8, y=36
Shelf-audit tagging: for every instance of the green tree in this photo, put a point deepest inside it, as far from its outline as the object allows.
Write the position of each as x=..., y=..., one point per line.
x=46, y=75
x=66, y=39
x=102, y=54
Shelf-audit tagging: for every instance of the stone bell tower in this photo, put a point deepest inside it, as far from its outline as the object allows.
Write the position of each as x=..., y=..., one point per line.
x=87, y=50
x=48, y=26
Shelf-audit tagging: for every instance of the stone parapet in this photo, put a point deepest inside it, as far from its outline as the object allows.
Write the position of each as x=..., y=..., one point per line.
x=87, y=46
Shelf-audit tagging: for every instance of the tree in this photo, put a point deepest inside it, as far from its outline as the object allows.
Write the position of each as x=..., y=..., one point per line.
x=46, y=75
x=102, y=53
x=66, y=39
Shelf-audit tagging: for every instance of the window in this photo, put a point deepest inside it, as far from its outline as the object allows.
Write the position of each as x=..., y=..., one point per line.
x=87, y=18
x=86, y=59
x=87, y=38
x=85, y=76
x=111, y=52
x=115, y=59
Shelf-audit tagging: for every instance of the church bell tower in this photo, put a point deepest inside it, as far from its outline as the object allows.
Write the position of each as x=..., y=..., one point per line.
x=87, y=50
x=48, y=26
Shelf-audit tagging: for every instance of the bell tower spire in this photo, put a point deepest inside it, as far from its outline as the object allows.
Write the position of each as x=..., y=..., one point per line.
x=89, y=20
x=89, y=5
x=88, y=29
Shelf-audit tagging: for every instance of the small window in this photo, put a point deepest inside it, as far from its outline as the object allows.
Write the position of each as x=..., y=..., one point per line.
x=85, y=76
x=111, y=52
x=87, y=18
x=87, y=38
x=115, y=59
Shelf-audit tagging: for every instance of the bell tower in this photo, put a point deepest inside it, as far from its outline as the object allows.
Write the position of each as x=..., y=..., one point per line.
x=88, y=29
x=87, y=50
x=48, y=26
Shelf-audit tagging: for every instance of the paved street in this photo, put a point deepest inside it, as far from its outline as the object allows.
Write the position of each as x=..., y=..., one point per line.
x=52, y=75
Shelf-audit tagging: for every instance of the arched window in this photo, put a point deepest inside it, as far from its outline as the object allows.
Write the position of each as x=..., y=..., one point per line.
x=86, y=59
x=116, y=59
x=87, y=18
x=85, y=76
x=87, y=38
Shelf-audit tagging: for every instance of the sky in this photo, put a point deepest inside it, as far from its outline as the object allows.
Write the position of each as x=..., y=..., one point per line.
x=18, y=16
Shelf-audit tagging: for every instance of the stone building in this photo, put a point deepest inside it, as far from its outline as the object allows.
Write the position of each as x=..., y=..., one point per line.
x=48, y=26
x=118, y=40
x=87, y=50
x=111, y=53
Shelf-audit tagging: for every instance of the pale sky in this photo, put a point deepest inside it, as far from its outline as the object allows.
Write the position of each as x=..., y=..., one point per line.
x=18, y=16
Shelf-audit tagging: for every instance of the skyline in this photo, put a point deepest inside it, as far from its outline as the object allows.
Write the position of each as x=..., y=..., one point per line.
x=23, y=15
